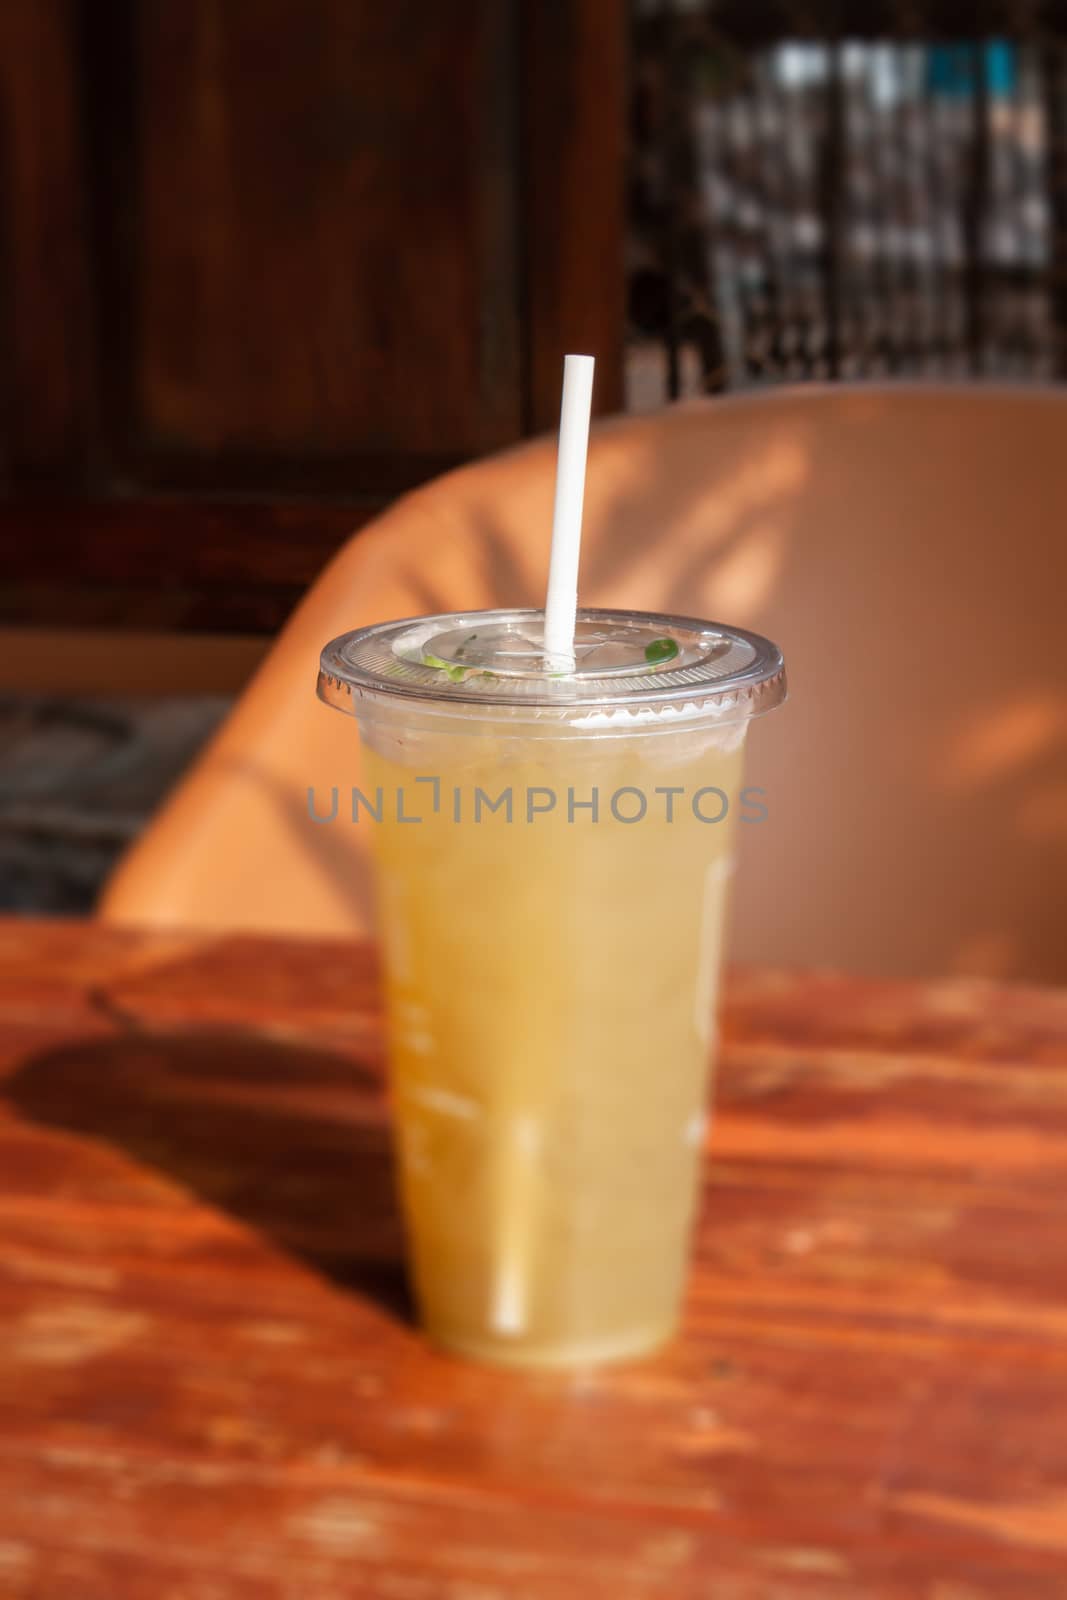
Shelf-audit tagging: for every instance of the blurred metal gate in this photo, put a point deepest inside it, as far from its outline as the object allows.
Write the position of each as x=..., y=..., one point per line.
x=824, y=191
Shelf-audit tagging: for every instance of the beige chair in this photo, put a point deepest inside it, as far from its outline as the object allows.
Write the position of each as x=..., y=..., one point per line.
x=907, y=547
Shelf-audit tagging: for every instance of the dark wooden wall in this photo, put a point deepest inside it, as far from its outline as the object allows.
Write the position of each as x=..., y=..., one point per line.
x=266, y=263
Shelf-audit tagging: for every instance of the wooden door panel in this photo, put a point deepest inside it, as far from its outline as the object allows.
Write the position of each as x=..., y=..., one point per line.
x=317, y=228
x=46, y=338
x=259, y=250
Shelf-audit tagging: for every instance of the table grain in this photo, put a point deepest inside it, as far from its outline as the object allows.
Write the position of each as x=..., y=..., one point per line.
x=211, y=1388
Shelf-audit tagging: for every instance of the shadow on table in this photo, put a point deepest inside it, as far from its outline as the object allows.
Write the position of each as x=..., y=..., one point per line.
x=286, y=1137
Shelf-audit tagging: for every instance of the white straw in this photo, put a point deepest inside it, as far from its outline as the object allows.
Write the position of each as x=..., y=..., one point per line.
x=515, y=1162
x=561, y=602
x=514, y=1169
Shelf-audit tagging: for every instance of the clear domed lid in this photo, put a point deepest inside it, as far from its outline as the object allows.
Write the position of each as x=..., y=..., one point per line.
x=622, y=659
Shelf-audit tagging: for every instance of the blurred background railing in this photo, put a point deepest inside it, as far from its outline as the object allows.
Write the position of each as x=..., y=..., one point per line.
x=822, y=191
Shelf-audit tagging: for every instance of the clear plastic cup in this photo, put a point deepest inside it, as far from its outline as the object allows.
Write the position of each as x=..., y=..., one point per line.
x=553, y=854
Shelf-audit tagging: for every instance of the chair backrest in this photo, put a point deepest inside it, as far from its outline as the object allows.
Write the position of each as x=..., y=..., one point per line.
x=906, y=547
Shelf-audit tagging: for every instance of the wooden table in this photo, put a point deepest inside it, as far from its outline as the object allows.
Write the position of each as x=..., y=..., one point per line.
x=210, y=1388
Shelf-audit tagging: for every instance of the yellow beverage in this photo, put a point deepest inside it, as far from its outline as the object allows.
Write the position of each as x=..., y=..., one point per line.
x=550, y=981
x=554, y=841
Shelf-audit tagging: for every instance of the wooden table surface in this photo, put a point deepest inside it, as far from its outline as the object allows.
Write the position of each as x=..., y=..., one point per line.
x=210, y=1388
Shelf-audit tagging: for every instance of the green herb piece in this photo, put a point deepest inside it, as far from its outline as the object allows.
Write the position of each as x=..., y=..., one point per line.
x=660, y=650
x=457, y=674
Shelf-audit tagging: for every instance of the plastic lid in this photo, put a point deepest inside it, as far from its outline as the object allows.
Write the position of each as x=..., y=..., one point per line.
x=496, y=658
